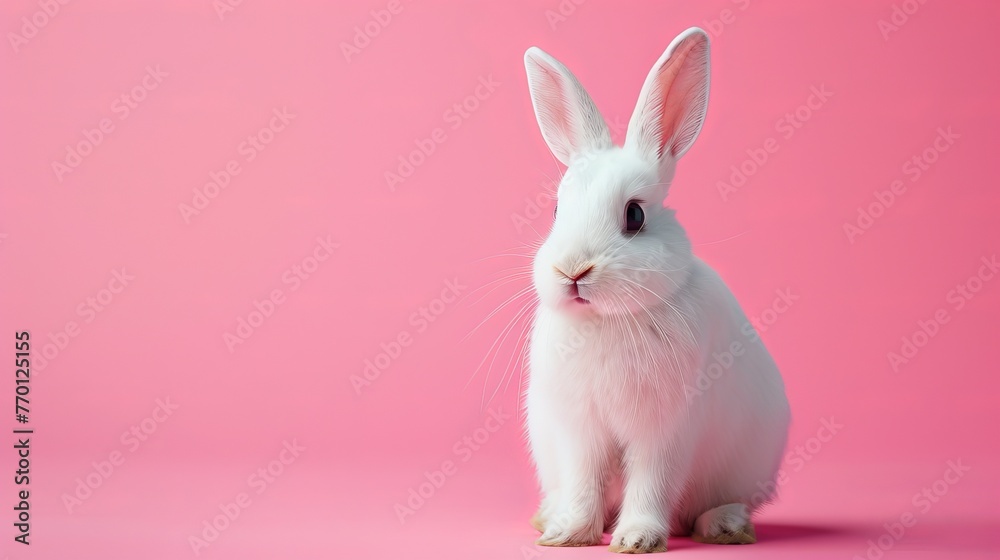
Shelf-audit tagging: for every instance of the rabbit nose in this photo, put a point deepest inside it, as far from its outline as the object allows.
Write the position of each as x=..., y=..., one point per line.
x=578, y=276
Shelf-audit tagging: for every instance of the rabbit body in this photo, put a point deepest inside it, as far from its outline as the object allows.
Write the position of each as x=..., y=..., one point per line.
x=653, y=408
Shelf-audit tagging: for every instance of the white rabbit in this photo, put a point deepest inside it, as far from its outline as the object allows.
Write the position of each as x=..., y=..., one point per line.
x=652, y=407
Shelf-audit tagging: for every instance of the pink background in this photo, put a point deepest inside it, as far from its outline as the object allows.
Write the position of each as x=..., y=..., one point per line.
x=323, y=175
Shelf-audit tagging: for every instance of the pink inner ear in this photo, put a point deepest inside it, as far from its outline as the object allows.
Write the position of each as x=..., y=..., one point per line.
x=680, y=81
x=556, y=105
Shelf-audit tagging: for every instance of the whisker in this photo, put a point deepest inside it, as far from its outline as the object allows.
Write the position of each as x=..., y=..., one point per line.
x=519, y=275
x=730, y=238
x=526, y=308
x=495, y=342
x=519, y=342
x=519, y=293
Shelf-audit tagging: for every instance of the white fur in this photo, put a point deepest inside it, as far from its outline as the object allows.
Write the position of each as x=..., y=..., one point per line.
x=622, y=432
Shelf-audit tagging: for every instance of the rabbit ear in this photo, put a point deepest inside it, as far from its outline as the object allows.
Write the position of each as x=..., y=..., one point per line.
x=673, y=100
x=570, y=122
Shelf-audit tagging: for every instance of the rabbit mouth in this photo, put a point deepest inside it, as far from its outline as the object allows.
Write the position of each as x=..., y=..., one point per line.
x=574, y=293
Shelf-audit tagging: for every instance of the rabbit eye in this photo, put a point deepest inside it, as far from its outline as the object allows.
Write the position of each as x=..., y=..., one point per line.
x=634, y=217
x=555, y=210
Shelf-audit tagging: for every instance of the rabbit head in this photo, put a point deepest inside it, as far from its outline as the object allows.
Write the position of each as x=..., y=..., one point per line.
x=613, y=246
